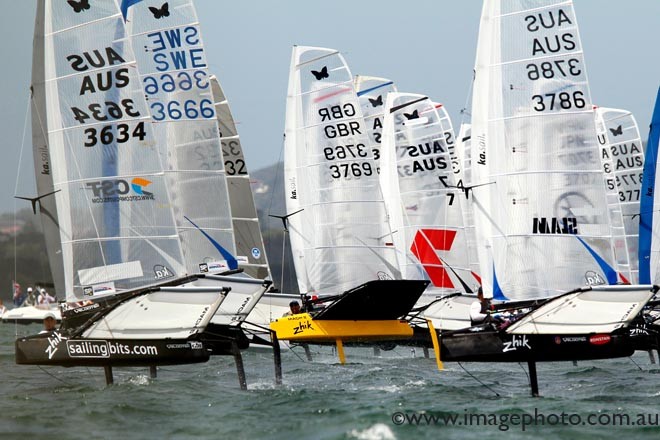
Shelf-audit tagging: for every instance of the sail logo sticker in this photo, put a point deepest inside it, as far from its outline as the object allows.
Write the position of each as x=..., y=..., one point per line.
x=88, y=291
x=617, y=131
x=203, y=267
x=593, y=278
x=424, y=247
x=119, y=190
x=321, y=74
x=384, y=276
x=256, y=253
x=79, y=6
x=554, y=225
x=600, y=339
x=515, y=343
x=161, y=272
x=376, y=102
x=163, y=11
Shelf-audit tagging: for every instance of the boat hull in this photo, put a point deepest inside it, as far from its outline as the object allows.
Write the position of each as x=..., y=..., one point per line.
x=303, y=328
x=55, y=349
x=498, y=346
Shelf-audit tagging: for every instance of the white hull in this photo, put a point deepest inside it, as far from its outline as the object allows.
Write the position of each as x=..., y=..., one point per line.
x=30, y=314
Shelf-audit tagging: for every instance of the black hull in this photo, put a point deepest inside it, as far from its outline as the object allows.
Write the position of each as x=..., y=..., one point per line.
x=222, y=340
x=53, y=349
x=485, y=345
x=497, y=346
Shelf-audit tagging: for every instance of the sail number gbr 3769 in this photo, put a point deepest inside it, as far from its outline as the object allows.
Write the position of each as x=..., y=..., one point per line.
x=348, y=159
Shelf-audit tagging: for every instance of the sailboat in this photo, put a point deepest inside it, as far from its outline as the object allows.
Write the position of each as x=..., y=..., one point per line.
x=623, y=163
x=422, y=194
x=113, y=237
x=336, y=214
x=540, y=206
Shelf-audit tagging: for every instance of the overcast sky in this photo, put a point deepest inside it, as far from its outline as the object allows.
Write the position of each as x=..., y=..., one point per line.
x=425, y=46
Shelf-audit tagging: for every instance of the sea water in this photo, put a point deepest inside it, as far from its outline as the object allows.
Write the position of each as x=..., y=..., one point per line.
x=397, y=394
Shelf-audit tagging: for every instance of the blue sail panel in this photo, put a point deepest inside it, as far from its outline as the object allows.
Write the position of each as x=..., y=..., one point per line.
x=497, y=290
x=125, y=4
x=610, y=273
x=646, y=197
x=232, y=263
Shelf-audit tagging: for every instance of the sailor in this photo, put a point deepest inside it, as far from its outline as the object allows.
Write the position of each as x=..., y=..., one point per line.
x=294, y=308
x=49, y=323
x=479, y=309
x=44, y=297
x=29, y=301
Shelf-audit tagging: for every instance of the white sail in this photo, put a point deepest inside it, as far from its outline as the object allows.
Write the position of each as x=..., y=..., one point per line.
x=175, y=78
x=250, y=250
x=94, y=145
x=540, y=205
x=372, y=92
x=420, y=187
x=463, y=152
x=339, y=235
x=623, y=164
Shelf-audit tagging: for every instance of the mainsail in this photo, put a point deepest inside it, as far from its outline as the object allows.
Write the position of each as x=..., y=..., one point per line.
x=337, y=224
x=463, y=152
x=372, y=92
x=425, y=204
x=649, y=220
x=94, y=146
x=250, y=250
x=176, y=82
x=623, y=163
x=535, y=156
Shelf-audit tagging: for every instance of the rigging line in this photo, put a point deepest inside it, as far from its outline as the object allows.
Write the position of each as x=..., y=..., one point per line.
x=475, y=378
x=525, y=371
x=277, y=173
x=636, y=364
x=18, y=173
x=282, y=263
x=53, y=376
x=464, y=110
x=294, y=352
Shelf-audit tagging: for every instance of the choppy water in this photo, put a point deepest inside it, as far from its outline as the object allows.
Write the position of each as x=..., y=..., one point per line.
x=319, y=399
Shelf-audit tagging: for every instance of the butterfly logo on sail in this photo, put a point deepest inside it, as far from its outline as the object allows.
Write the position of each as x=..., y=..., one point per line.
x=323, y=73
x=413, y=115
x=163, y=11
x=376, y=102
x=78, y=6
x=617, y=131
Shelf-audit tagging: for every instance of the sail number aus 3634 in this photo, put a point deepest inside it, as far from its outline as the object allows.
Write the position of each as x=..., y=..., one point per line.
x=108, y=134
x=106, y=111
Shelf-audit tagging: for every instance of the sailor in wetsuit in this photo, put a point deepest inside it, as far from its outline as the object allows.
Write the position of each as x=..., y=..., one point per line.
x=479, y=309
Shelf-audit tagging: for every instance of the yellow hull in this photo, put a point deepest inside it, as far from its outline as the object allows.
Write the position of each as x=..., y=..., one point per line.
x=302, y=327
